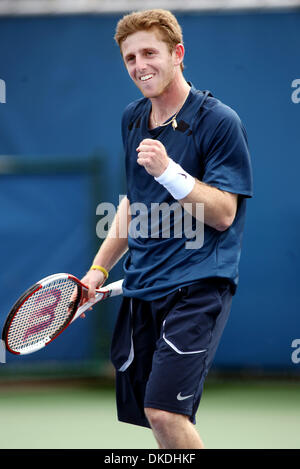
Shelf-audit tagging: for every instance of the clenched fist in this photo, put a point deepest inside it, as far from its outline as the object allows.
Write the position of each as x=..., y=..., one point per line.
x=153, y=156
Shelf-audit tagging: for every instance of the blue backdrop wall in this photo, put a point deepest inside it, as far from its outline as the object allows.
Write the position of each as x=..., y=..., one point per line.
x=66, y=88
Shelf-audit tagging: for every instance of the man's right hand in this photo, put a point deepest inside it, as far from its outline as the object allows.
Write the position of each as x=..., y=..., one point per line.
x=93, y=279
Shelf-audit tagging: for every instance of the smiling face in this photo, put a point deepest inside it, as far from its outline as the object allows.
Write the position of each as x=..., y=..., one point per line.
x=149, y=62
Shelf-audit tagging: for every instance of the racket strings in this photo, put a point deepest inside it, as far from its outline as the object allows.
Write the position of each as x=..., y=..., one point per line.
x=43, y=315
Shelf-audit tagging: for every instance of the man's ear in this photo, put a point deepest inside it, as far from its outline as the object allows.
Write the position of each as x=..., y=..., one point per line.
x=179, y=53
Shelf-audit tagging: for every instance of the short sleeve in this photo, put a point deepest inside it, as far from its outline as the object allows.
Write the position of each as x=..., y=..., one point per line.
x=227, y=163
x=125, y=122
x=130, y=113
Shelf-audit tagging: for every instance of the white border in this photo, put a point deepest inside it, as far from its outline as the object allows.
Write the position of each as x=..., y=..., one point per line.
x=56, y=7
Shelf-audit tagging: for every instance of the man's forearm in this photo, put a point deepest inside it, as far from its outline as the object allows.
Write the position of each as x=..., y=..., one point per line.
x=219, y=206
x=116, y=243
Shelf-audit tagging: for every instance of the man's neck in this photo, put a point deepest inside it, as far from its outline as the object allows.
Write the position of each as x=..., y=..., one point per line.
x=170, y=102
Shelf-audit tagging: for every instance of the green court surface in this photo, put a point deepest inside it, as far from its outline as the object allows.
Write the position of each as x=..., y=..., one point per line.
x=232, y=415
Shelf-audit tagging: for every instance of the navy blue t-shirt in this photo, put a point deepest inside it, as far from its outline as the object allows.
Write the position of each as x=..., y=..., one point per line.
x=210, y=143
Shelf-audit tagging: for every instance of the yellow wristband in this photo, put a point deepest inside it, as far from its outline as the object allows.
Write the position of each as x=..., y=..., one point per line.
x=99, y=267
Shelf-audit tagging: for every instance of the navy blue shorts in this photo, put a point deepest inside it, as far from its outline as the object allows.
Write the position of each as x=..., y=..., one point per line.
x=162, y=350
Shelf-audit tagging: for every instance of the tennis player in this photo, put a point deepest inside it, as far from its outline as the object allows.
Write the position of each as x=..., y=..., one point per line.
x=183, y=146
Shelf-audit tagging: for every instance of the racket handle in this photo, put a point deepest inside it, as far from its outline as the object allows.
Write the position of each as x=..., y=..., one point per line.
x=113, y=289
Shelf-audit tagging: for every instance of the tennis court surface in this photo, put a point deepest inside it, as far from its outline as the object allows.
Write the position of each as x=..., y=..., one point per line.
x=233, y=415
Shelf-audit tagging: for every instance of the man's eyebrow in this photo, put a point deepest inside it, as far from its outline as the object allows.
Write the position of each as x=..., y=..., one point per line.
x=145, y=49
x=152, y=48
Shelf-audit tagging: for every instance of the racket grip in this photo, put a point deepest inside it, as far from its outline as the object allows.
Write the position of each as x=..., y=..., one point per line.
x=113, y=289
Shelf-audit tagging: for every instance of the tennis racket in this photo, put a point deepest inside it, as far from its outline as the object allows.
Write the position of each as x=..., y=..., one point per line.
x=46, y=309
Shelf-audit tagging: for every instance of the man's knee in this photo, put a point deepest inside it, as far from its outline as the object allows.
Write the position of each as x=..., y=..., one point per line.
x=161, y=419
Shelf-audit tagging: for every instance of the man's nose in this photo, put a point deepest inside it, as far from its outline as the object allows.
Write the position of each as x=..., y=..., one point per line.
x=140, y=64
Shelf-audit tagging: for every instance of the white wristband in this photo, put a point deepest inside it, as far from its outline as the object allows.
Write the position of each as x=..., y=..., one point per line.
x=176, y=180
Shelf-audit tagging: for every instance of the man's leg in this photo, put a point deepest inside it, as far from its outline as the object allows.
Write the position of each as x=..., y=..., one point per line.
x=190, y=333
x=173, y=431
